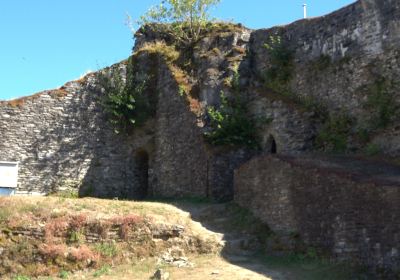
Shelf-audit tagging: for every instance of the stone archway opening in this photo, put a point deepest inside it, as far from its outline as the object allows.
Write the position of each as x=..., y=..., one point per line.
x=142, y=171
x=271, y=146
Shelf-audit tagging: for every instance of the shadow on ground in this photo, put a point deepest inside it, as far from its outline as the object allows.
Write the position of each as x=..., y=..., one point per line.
x=243, y=237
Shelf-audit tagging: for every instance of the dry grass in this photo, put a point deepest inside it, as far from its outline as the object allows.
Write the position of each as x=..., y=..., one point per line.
x=168, y=52
x=33, y=210
x=133, y=259
x=20, y=102
x=65, y=226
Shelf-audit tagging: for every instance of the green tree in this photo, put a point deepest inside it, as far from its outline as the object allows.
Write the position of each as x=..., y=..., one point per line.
x=185, y=19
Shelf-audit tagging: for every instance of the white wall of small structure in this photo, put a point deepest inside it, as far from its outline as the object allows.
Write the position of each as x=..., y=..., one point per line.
x=8, y=178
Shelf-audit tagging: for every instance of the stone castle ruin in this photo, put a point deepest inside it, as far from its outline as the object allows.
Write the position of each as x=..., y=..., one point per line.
x=340, y=91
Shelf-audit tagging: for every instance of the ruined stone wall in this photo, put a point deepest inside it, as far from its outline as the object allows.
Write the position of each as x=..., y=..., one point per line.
x=180, y=166
x=184, y=163
x=356, y=38
x=61, y=138
x=345, y=207
x=284, y=127
x=338, y=60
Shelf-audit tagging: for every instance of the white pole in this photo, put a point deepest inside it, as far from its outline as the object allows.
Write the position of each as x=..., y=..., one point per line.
x=305, y=10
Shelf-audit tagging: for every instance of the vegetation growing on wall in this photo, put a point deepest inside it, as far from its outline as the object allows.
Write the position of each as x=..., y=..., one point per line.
x=230, y=123
x=322, y=63
x=334, y=134
x=127, y=100
x=281, y=67
x=185, y=19
x=381, y=103
x=279, y=74
x=167, y=52
x=335, y=130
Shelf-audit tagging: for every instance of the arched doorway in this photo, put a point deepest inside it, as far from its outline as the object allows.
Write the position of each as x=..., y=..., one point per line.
x=271, y=146
x=142, y=173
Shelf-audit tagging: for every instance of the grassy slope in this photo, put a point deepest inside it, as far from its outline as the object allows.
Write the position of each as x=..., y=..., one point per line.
x=28, y=211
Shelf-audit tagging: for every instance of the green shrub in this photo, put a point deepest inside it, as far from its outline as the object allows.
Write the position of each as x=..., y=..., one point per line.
x=311, y=104
x=185, y=19
x=230, y=124
x=334, y=134
x=372, y=149
x=280, y=72
x=363, y=134
x=322, y=63
x=127, y=103
x=381, y=103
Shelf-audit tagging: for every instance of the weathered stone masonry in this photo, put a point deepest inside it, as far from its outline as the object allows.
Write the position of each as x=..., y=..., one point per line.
x=349, y=208
x=337, y=56
x=58, y=137
x=62, y=137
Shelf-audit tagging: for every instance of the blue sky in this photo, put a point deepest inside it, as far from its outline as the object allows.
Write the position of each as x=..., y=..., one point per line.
x=45, y=43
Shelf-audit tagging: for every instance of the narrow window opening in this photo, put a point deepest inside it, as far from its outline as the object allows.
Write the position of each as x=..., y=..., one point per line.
x=271, y=146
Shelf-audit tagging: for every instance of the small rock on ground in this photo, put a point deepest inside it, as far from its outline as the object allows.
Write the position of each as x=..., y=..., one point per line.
x=160, y=275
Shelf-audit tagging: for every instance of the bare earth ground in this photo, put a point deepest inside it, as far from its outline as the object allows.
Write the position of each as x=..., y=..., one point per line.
x=206, y=267
x=231, y=226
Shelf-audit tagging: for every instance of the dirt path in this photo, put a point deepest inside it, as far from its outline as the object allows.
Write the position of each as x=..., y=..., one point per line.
x=206, y=267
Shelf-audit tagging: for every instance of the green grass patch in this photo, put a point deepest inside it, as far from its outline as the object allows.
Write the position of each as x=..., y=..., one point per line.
x=66, y=194
x=104, y=270
x=21, y=277
x=63, y=274
x=107, y=249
